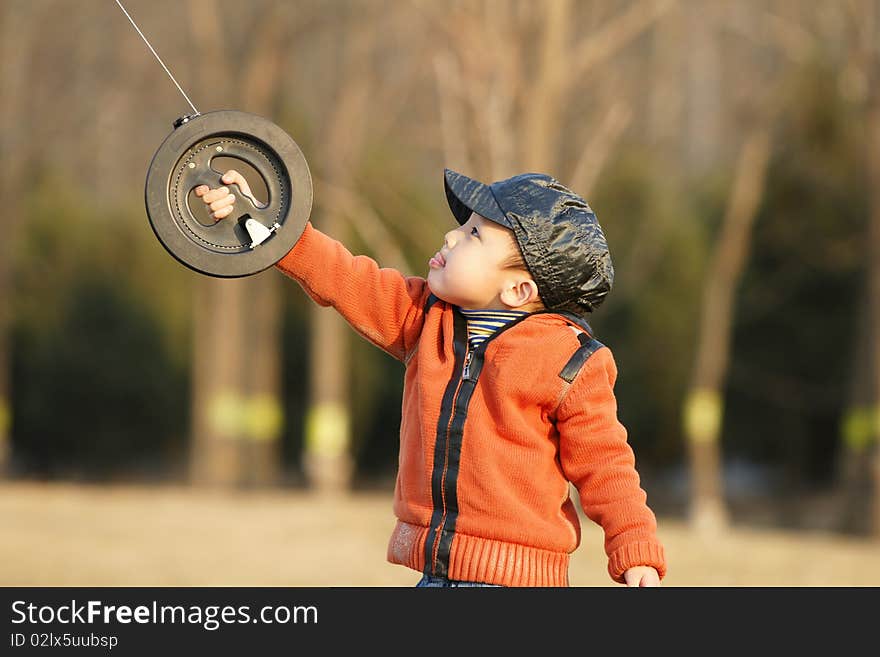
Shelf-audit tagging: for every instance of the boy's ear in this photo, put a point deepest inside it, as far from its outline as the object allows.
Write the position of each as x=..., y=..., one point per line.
x=520, y=291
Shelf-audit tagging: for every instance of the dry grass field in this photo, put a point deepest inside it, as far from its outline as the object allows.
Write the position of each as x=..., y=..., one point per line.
x=81, y=535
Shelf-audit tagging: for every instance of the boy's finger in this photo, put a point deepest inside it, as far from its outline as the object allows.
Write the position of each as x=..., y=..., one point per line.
x=201, y=190
x=215, y=194
x=233, y=177
x=632, y=577
x=650, y=579
x=222, y=213
x=223, y=202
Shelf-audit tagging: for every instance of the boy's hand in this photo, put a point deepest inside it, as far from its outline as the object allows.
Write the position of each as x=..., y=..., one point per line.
x=642, y=576
x=220, y=200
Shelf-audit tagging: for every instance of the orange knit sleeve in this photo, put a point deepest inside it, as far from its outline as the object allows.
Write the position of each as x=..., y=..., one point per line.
x=383, y=305
x=598, y=460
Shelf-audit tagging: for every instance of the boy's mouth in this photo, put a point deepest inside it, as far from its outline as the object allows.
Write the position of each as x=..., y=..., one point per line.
x=437, y=261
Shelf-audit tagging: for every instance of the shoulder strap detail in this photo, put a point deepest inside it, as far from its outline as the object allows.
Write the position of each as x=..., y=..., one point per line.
x=588, y=347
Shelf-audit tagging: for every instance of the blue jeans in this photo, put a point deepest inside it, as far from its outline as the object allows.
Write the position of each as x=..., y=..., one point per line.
x=432, y=581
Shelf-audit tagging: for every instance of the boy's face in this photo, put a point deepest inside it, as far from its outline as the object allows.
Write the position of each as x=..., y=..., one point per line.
x=469, y=270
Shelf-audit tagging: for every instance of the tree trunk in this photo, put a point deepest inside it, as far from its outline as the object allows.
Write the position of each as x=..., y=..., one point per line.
x=262, y=302
x=873, y=157
x=219, y=408
x=327, y=459
x=14, y=58
x=703, y=411
x=218, y=348
x=857, y=429
x=237, y=412
x=328, y=462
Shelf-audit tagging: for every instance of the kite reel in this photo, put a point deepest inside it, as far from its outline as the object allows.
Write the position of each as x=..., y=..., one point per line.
x=258, y=233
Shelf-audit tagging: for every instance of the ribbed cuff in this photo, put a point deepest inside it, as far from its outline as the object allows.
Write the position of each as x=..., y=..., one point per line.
x=640, y=553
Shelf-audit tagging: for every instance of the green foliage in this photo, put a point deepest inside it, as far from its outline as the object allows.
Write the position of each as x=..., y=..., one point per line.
x=99, y=363
x=96, y=391
x=65, y=238
x=796, y=319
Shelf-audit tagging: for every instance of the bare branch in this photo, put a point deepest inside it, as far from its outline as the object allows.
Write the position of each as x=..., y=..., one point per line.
x=728, y=260
x=362, y=218
x=596, y=153
x=616, y=34
x=452, y=121
x=541, y=122
x=769, y=29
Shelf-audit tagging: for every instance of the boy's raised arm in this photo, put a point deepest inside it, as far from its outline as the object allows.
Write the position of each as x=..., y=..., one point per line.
x=383, y=305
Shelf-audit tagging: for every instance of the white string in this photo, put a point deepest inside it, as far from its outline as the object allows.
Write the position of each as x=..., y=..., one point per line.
x=130, y=20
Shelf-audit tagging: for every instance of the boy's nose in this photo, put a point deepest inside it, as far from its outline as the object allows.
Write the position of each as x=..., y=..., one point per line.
x=450, y=238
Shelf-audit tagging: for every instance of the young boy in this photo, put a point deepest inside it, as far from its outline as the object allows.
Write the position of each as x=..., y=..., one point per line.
x=507, y=396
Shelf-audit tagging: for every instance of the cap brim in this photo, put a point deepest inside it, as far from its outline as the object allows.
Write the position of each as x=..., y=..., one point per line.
x=466, y=195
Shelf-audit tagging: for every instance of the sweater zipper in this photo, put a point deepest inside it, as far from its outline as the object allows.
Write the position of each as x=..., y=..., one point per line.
x=466, y=370
x=470, y=373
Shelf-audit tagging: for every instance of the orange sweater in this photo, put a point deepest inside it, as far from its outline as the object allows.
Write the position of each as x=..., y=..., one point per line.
x=490, y=438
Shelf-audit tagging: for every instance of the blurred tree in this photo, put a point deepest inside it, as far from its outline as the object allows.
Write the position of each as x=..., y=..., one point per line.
x=800, y=294
x=100, y=384
x=757, y=103
x=360, y=111
x=703, y=105
x=15, y=32
x=703, y=410
x=328, y=460
x=513, y=85
x=237, y=406
x=261, y=90
x=856, y=28
x=97, y=393
x=857, y=427
x=219, y=334
x=870, y=32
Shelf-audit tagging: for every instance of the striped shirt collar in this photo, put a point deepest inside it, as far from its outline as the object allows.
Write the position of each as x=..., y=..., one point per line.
x=483, y=323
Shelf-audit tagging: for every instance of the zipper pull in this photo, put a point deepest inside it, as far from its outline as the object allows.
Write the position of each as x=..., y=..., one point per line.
x=466, y=371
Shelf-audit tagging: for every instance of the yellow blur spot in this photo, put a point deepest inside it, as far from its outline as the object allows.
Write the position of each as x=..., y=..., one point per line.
x=225, y=415
x=861, y=425
x=327, y=430
x=5, y=418
x=234, y=416
x=264, y=418
x=702, y=415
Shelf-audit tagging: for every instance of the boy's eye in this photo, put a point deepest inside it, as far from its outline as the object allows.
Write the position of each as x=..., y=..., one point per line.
x=475, y=232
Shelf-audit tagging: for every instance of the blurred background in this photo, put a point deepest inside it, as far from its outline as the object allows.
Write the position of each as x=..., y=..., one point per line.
x=162, y=427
